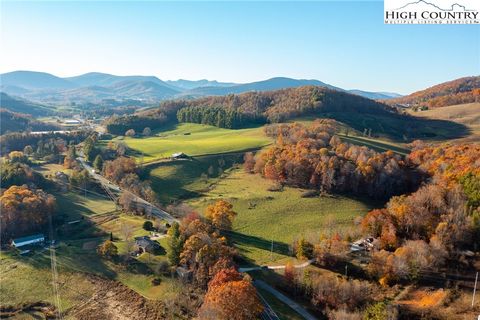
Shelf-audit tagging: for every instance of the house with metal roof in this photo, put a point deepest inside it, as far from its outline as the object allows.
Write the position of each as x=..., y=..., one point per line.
x=33, y=239
x=145, y=244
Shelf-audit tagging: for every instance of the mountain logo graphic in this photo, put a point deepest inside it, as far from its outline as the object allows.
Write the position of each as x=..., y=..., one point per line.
x=452, y=7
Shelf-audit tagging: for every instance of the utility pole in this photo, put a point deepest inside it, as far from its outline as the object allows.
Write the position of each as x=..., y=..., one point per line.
x=271, y=252
x=474, y=289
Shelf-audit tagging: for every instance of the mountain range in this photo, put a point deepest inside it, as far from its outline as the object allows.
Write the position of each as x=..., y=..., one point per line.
x=94, y=87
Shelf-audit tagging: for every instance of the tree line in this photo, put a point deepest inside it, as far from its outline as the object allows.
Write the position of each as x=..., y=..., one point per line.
x=315, y=157
x=431, y=227
x=219, y=117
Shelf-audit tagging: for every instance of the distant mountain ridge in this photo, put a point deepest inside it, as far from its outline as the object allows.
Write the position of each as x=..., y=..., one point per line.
x=95, y=86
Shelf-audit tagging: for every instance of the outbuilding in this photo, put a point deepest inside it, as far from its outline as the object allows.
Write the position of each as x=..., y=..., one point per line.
x=179, y=155
x=25, y=241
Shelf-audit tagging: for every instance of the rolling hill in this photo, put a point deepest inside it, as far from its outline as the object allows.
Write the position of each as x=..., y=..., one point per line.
x=23, y=106
x=192, y=84
x=11, y=122
x=31, y=80
x=266, y=85
x=459, y=91
x=307, y=102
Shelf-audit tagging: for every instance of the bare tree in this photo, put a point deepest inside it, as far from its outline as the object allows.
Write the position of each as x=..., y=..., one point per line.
x=126, y=231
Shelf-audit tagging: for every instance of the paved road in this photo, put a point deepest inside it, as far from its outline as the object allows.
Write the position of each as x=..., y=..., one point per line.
x=278, y=267
x=139, y=201
x=280, y=296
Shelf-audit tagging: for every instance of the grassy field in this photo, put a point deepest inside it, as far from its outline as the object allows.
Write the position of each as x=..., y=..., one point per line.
x=283, y=216
x=180, y=180
x=196, y=139
x=465, y=114
x=376, y=144
x=28, y=278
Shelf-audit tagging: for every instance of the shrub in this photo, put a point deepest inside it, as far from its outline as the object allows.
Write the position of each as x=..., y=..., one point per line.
x=148, y=225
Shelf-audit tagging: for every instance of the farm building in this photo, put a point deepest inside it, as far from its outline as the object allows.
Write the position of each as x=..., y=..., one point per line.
x=72, y=121
x=34, y=239
x=179, y=155
x=145, y=244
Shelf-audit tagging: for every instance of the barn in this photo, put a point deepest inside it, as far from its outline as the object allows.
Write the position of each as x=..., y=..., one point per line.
x=25, y=241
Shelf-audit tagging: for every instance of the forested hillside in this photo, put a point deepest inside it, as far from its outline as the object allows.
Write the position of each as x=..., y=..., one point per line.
x=254, y=108
x=459, y=91
x=11, y=122
x=23, y=106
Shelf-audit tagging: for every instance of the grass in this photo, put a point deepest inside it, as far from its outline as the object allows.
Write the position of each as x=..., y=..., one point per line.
x=29, y=279
x=87, y=204
x=283, y=216
x=283, y=311
x=464, y=114
x=376, y=144
x=24, y=281
x=180, y=180
x=194, y=140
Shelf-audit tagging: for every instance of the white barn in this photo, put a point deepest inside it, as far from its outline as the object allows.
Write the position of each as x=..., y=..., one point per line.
x=34, y=239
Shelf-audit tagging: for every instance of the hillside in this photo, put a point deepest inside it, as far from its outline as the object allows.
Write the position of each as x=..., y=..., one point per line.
x=34, y=80
x=361, y=114
x=459, y=91
x=464, y=114
x=10, y=122
x=192, y=84
x=23, y=106
x=266, y=85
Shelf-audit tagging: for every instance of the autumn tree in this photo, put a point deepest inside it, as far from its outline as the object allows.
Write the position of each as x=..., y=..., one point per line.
x=289, y=274
x=249, y=162
x=17, y=156
x=108, y=250
x=147, y=132
x=231, y=297
x=28, y=150
x=98, y=163
x=130, y=133
x=221, y=214
x=70, y=158
x=24, y=210
x=304, y=249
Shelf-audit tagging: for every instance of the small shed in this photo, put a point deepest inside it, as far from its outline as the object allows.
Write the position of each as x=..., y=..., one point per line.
x=33, y=239
x=180, y=155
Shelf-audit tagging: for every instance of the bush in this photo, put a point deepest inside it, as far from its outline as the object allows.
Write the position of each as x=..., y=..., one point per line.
x=148, y=225
x=162, y=268
x=309, y=194
x=156, y=281
x=277, y=187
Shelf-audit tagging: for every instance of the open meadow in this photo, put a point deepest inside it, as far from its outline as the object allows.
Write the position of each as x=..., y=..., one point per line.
x=465, y=114
x=281, y=216
x=194, y=140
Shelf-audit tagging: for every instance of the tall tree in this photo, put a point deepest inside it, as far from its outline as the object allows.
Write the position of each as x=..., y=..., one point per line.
x=221, y=214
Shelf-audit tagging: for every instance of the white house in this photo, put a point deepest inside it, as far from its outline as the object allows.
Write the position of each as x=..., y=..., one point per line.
x=34, y=239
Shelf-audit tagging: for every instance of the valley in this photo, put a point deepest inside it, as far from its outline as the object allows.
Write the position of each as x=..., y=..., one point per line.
x=303, y=183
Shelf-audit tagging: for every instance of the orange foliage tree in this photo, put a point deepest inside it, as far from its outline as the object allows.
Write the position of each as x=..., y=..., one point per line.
x=221, y=214
x=230, y=296
x=23, y=210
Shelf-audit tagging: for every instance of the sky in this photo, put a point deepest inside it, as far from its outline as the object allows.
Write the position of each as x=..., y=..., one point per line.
x=343, y=43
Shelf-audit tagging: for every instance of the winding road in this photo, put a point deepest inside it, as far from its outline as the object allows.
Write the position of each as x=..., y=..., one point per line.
x=108, y=185
x=280, y=296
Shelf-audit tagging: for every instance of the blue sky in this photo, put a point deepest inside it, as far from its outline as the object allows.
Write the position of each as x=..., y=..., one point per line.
x=344, y=43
